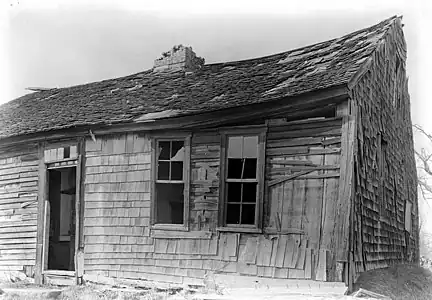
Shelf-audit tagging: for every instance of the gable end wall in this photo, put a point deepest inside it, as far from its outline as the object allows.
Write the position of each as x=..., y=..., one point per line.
x=385, y=171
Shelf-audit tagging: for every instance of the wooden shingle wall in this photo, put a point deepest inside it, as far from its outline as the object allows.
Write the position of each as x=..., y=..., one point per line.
x=385, y=173
x=117, y=204
x=18, y=208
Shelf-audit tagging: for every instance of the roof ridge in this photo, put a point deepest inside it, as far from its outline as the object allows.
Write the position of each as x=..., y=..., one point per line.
x=306, y=46
x=363, y=67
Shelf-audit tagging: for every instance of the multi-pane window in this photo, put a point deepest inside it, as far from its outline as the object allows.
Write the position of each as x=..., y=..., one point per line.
x=241, y=181
x=169, y=182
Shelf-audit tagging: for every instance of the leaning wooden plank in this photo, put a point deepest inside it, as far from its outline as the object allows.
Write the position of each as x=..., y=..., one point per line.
x=296, y=251
x=287, y=151
x=345, y=184
x=321, y=272
x=290, y=251
x=308, y=263
x=294, y=142
x=286, y=178
x=265, y=251
x=292, y=162
x=321, y=176
x=274, y=251
x=301, y=258
x=281, y=251
x=250, y=252
x=294, y=197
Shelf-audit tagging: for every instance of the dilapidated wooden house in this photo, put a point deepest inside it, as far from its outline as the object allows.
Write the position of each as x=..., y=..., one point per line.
x=294, y=165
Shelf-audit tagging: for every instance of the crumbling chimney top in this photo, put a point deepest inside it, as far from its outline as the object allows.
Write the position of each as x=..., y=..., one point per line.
x=178, y=58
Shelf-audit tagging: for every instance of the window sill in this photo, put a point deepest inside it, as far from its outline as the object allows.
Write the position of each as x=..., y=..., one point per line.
x=239, y=229
x=171, y=234
x=170, y=227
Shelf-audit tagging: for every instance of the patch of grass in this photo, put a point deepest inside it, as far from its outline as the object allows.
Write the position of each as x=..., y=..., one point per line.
x=398, y=282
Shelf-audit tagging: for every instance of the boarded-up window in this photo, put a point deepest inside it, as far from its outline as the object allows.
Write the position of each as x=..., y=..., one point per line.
x=241, y=180
x=408, y=219
x=169, y=183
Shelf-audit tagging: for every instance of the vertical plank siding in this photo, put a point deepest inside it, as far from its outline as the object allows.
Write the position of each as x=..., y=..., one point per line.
x=306, y=203
x=385, y=172
x=18, y=208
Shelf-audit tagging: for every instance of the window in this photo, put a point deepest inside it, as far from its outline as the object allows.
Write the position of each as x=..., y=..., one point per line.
x=170, y=184
x=242, y=182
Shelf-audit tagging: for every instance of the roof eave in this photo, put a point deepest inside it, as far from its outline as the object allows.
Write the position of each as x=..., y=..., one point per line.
x=192, y=121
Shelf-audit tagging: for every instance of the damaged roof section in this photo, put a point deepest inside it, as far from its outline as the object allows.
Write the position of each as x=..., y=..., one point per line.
x=153, y=95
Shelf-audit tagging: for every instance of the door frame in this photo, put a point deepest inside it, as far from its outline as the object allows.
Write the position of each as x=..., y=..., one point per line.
x=42, y=239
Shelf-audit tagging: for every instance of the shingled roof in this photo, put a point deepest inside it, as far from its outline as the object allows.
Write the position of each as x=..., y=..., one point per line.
x=213, y=87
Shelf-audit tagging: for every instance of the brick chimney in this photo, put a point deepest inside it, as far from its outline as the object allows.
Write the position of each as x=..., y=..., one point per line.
x=178, y=58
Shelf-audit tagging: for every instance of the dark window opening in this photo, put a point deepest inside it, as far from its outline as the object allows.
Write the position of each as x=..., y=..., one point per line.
x=169, y=189
x=170, y=203
x=66, y=152
x=241, y=180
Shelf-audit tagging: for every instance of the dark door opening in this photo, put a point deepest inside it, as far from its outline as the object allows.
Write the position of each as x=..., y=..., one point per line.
x=61, y=197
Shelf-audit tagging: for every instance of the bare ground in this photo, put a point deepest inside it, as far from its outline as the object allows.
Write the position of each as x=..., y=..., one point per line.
x=398, y=282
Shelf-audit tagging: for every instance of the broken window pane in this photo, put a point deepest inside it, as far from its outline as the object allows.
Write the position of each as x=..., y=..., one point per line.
x=235, y=145
x=250, y=147
x=163, y=170
x=164, y=150
x=249, y=192
x=169, y=203
x=233, y=214
x=235, y=168
x=177, y=151
x=234, y=192
x=250, y=168
x=248, y=214
x=176, y=170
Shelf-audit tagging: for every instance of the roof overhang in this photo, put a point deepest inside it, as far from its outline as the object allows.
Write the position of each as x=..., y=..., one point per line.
x=289, y=106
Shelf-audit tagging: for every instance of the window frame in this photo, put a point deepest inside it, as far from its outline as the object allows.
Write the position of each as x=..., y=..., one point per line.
x=186, y=138
x=261, y=132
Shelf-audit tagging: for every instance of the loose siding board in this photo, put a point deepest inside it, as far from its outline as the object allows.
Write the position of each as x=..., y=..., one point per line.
x=18, y=207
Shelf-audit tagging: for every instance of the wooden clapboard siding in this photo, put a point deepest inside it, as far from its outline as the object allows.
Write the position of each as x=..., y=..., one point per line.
x=385, y=171
x=18, y=207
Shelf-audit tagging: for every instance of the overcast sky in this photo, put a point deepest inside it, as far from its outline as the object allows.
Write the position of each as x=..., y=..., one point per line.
x=57, y=43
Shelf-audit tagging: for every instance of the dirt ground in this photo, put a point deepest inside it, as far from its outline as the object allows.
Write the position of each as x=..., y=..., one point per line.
x=398, y=282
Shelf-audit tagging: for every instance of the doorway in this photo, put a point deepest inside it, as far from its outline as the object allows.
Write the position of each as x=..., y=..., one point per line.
x=61, y=221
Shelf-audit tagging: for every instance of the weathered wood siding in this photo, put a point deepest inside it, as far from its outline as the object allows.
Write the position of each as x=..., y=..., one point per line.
x=306, y=154
x=119, y=242
x=117, y=205
x=18, y=208
x=385, y=172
